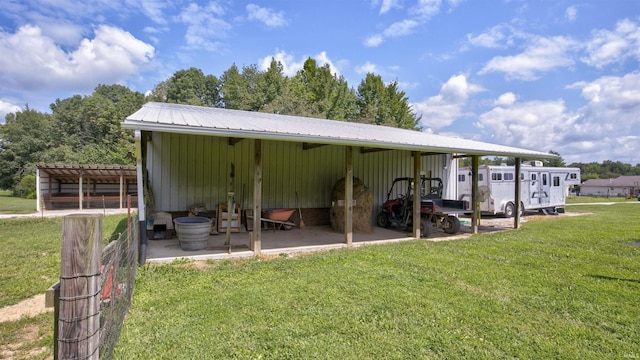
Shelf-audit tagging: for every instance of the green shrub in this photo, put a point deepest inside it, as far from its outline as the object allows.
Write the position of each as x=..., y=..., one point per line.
x=26, y=188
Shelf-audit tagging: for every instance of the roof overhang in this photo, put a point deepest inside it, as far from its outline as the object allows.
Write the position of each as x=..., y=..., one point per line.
x=104, y=174
x=195, y=120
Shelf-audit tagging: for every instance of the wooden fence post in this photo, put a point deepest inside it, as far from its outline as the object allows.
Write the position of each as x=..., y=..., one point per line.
x=79, y=322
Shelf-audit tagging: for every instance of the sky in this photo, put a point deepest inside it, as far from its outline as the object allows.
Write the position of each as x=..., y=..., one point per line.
x=556, y=75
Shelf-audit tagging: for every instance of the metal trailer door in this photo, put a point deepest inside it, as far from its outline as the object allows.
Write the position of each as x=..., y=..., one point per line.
x=539, y=187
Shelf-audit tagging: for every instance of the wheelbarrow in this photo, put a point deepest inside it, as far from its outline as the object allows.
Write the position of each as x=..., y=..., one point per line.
x=278, y=218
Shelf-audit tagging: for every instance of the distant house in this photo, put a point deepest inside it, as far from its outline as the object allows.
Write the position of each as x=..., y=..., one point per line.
x=620, y=186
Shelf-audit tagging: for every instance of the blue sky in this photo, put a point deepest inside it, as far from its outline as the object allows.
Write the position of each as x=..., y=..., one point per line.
x=542, y=75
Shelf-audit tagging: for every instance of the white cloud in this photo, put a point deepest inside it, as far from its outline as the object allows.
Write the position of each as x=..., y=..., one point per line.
x=506, y=99
x=613, y=105
x=425, y=9
x=366, y=68
x=401, y=28
x=541, y=55
x=374, y=40
x=153, y=9
x=7, y=107
x=536, y=125
x=605, y=128
x=323, y=59
x=498, y=36
x=607, y=47
x=266, y=16
x=290, y=65
x=571, y=13
x=205, y=25
x=417, y=15
x=442, y=110
x=33, y=61
x=388, y=5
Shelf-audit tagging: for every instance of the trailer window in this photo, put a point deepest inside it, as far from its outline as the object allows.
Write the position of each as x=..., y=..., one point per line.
x=508, y=176
x=533, y=177
x=556, y=181
x=544, y=179
x=480, y=177
x=573, y=176
x=496, y=177
x=461, y=178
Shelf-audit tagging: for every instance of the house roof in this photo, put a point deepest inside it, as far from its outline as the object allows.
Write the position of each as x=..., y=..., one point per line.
x=620, y=181
x=66, y=173
x=176, y=118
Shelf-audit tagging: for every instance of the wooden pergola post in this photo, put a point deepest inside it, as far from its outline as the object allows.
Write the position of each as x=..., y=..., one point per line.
x=475, y=204
x=80, y=192
x=256, y=236
x=417, y=199
x=348, y=196
x=518, y=195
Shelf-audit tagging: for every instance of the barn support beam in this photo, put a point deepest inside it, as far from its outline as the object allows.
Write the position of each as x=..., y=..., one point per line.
x=416, y=194
x=256, y=236
x=475, y=204
x=517, y=196
x=348, y=196
x=142, y=220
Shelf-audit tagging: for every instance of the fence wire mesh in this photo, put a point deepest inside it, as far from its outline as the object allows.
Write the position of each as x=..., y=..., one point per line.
x=118, y=272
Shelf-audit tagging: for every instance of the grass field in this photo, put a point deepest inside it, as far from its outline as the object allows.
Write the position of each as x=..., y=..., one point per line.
x=15, y=205
x=564, y=287
x=561, y=288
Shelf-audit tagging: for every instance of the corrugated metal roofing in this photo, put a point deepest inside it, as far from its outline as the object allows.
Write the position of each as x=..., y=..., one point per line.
x=189, y=119
x=97, y=173
x=632, y=181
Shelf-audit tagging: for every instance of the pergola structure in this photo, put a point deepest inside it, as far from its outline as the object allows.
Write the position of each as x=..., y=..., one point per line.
x=65, y=185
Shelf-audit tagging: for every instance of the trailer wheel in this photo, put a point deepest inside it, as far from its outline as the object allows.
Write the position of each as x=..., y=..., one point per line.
x=425, y=228
x=383, y=220
x=451, y=224
x=509, y=210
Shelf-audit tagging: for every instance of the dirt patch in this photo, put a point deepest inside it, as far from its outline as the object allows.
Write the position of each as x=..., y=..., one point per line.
x=30, y=307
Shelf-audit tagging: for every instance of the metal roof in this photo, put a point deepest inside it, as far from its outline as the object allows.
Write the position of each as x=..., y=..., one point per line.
x=104, y=174
x=176, y=118
x=620, y=181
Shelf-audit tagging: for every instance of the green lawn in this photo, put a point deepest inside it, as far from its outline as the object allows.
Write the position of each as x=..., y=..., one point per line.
x=15, y=205
x=30, y=254
x=562, y=288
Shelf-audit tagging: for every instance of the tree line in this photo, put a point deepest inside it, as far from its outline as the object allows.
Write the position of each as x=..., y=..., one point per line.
x=606, y=170
x=86, y=129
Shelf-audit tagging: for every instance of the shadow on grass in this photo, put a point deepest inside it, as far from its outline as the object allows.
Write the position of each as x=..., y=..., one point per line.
x=603, y=277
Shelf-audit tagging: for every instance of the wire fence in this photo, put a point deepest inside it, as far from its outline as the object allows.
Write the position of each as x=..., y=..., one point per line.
x=119, y=263
x=95, y=290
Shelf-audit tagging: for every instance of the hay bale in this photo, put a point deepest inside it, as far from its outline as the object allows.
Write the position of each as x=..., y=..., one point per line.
x=361, y=210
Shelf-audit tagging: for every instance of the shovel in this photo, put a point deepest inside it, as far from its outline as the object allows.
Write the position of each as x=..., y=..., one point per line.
x=301, y=224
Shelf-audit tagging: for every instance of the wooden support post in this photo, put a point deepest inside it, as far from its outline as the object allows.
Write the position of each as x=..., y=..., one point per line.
x=80, y=192
x=79, y=323
x=416, y=194
x=256, y=237
x=475, y=204
x=517, y=196
x=121, y=191
x=348, y=196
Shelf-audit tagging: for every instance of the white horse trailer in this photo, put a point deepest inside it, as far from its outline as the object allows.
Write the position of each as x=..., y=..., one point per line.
x=542, y=188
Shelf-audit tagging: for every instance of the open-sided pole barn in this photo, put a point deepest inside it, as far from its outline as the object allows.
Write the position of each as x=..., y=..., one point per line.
x=66, y=186
x=187, y=154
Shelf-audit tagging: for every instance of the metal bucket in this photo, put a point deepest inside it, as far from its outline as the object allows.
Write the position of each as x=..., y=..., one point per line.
x=193, y=232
